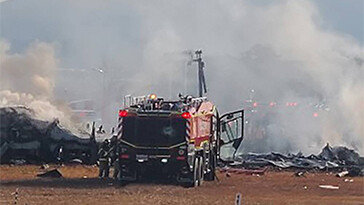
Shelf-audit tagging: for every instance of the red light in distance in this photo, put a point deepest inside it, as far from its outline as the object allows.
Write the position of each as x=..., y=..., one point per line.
x=123, y=113
x=255, y=104
x=315, y=114
x=186, y=115
x=291, y=104
x=272, y=104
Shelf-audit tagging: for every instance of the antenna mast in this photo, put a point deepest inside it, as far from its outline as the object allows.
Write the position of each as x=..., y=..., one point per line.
x=202, y=88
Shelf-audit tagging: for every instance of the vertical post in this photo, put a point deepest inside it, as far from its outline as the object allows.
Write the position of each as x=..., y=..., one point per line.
x=242, y=123
x=218, y=137
x=93, y=135
x=238, y=199
x=199, y=78
x=16, y=194
x=200, y=72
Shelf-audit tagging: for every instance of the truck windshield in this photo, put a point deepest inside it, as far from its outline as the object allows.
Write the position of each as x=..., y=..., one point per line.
x=154, y=131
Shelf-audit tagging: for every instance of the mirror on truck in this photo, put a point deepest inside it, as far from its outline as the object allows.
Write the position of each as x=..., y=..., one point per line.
x=231, y=133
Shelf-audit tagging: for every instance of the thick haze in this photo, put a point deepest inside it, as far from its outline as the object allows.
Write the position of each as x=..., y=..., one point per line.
x=29, y=78
x=282, y=50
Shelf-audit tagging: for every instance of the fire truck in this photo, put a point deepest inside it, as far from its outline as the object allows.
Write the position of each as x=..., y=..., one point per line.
x=181, y=139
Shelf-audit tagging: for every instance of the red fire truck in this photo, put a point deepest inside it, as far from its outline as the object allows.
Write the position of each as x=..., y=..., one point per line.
x=180, y=139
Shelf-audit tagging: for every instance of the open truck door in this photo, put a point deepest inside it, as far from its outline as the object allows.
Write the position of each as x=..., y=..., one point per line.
x=230, y=134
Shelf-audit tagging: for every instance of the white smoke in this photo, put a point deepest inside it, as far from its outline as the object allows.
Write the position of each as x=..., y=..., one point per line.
x=279, y=49
x=32, y=72
x=28, y=78
x=281, y=52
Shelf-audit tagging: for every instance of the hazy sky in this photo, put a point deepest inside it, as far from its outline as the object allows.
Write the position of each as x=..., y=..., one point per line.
x=307, y=51
x=344, y=16
x=23, y=21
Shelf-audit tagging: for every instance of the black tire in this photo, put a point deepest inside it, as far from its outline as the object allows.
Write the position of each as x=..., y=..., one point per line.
x=210, y=176
x=200, y=171
x=119, y=177
x=122, y=183
x=194, y=180
x=196, y=175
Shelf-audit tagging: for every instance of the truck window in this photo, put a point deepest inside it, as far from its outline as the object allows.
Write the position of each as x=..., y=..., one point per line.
x=154, y=131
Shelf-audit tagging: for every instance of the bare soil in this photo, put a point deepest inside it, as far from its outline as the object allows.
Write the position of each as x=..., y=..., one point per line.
x=80, y=185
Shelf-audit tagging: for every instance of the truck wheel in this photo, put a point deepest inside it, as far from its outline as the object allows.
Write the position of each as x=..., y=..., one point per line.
x=194, y=179
x=210, y=176
x=196, y=173
x=200, y=172
x=121, y=182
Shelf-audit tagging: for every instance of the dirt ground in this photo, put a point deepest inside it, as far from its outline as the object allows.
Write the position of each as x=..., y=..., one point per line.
x=80, y=186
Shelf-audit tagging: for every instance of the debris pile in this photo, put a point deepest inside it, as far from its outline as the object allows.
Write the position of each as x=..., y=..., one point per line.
x=341, y=155
x=24, y=138
x=333, y=158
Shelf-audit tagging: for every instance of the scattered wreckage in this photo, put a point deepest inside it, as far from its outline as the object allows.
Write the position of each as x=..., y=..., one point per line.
x=330, y=158
x=24, y=139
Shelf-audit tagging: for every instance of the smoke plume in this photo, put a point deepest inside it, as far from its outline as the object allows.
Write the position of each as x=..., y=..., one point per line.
x=281, y=50
x=28, y=79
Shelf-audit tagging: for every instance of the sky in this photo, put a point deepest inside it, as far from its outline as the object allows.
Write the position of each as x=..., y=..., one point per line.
x=309, y=51
x=343, y=16
x=22, y=28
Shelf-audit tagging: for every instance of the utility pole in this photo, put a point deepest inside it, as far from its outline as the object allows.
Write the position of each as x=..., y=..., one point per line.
x=202, y=88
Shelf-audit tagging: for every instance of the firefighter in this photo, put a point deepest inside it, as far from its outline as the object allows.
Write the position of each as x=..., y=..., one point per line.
x=114, y=155
x=116, y=168
x=104, y=159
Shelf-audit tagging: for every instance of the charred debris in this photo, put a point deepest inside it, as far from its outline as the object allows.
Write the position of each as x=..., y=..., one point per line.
x=330, y=159
x=26, y=140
